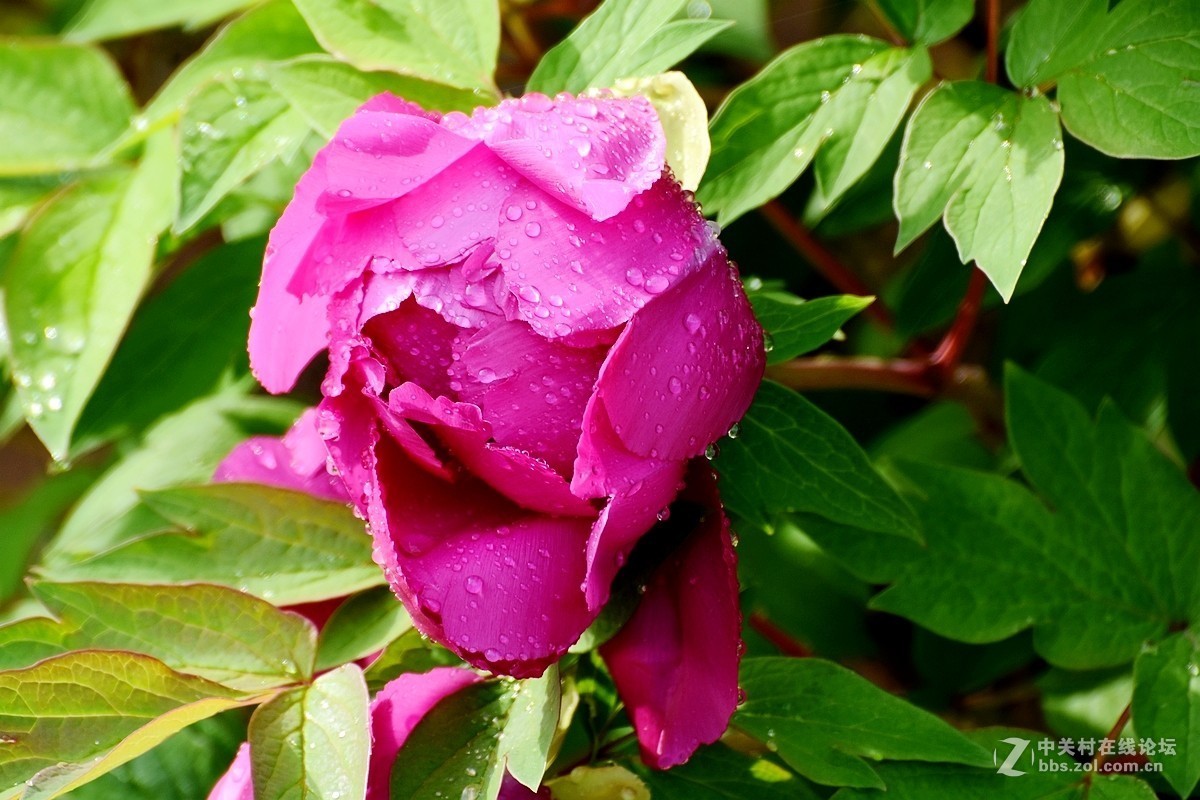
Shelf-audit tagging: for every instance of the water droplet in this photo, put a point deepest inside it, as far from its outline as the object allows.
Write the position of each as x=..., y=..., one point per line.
x=712, y=451
x=734, y=431
x=513, y=213
x=768, y=343
x=437, y=221
x=474, y=585
x=533, y=230
x=675, y=385
x=692, y=323
x=657, y=284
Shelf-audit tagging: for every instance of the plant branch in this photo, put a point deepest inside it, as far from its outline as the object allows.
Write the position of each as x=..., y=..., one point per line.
x=992, y=67
x=825, y=262
x=949, y=351
x=1099, y=759
x=777, y=636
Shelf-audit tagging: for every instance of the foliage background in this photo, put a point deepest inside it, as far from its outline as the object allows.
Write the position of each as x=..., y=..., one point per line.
x=982, y=507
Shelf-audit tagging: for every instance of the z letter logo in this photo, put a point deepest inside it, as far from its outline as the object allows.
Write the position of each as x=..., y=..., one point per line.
x=1018, y=749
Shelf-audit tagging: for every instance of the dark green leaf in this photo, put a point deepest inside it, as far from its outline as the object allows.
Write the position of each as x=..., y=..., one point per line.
x=989, y=162
x=1166, y=705
x=835, y=101
x=410, y=652
x=449, y=41
x=824, y=720
x=719, y=773
x=286, y=547
x=313, y=743
x=464, y=743
x=791, y=457
x=927, y=21
x=60, y=105
x=364, y=624
x=797, y=326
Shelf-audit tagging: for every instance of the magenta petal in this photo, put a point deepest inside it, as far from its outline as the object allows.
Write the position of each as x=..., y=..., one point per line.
x=675, y=663
x=532, y=390
x=628, y=516
x=288, y=329
x=377, y=156
x=693, y=359
x=417, y=344
x=444, y=219
x=594, y=153
x=526, y=480
x=236, y=783
x=297, y=461
x=495, y=583
x=397, y=709
x=606, y=466
x=570, y=273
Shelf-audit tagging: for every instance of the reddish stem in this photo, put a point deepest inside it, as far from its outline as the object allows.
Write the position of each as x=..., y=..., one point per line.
x=826, y=263
x=949, y=351
x=777, y=636
x=1099, y=759
x=992, y=67
x=903, y=376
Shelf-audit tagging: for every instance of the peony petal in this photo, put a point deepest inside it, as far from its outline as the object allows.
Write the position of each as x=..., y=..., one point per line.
x=570, y=273
x=675, y=666
x=605, y=466
x=397, y=709
x=444, y=219
x=288, y=329
x=628, y=516
x=377, y=156
x=522, y=478
x=594, y=153
x=495, y=583
x=297, y=462
x=532, y=390
x=686, y=367
x=236, y=783
x=416, y=344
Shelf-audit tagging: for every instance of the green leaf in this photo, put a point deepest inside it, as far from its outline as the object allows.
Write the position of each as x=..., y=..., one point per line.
x=313, y=742
x=927, y=21
x=230, y=130
x=34, y=515
x=270, y=32
x=833, y=101
x=824, y=720
x=68, y=298
x=621, y=39
x=720, y=773
x=951, y=782
x=797, y=326
x=410, y=652
x=750, y=36
x=464, y=743
x=111, y=19
x=1166, y=705
x=1128, y=80
x=1106, y=571
x=183, y=343
x=448, y=41
x=60, y=105
x=286, y=547
x=90, y=711
x=325, y=92
x=182, y=448
x=210, y=631
x=364, y=624
x=987, y=160
x=184, y=767
x=791, y=457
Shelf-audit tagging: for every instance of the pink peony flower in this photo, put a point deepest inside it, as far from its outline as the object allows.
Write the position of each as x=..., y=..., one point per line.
x=532, y=332
x=395, y=711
